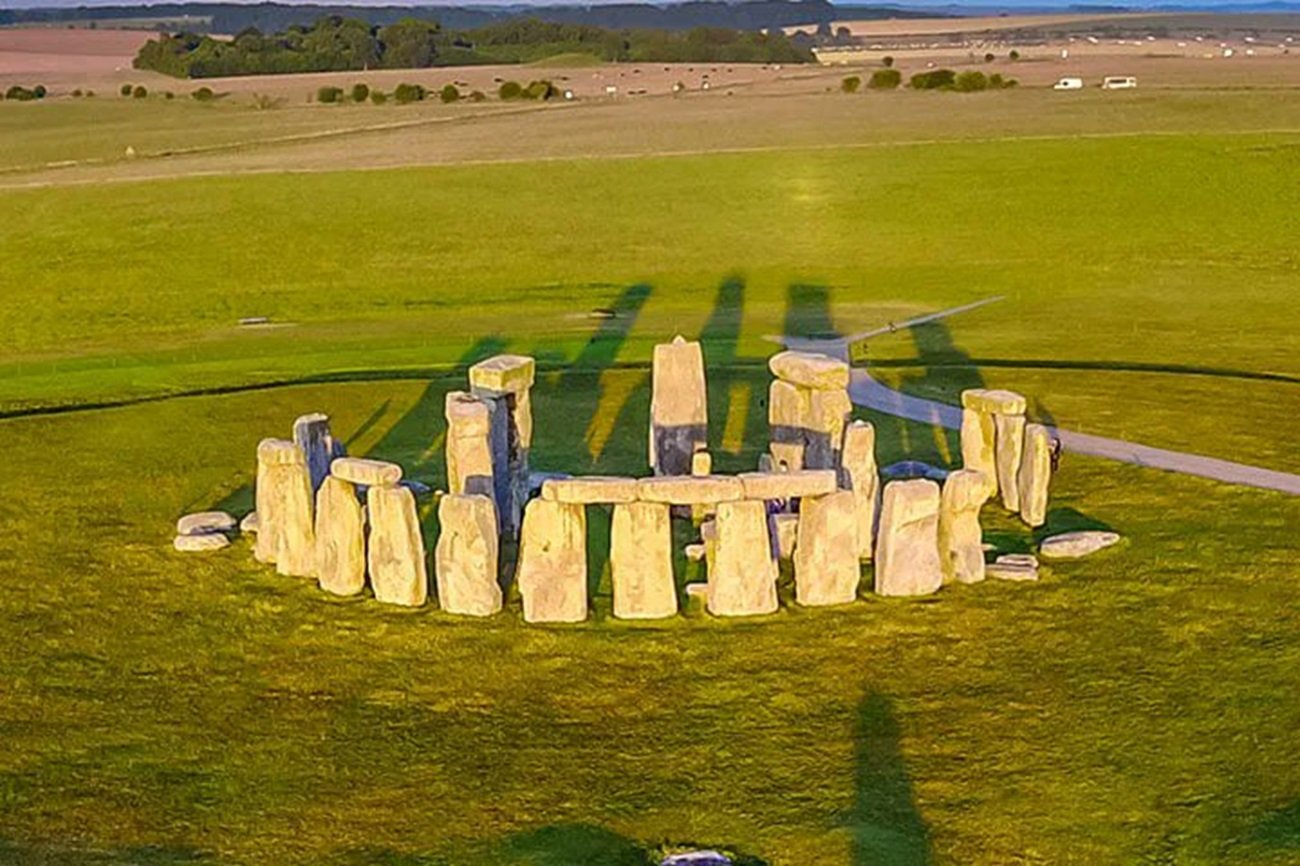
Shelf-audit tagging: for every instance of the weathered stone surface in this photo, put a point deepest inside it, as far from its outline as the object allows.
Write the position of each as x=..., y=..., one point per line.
x=466, y=414
x=521, y=413
x=742, y=579
x=396, y=555
x=785, y=532
x=552, y=573
x=788, y=485
x=905, y=470
x=961, y=541
x=276, y=451
x=503, y=374
x=696, y=552
x=470, y=463
x=205, y=523
x=503, y=478
x=466, y=556
x=1018, y=559
x=1072, y=545
x=828, y=414
x=360, y=470
x=810, y=370
x=284, y=506
x=1008, y=568
x=1035, y=476
x=787, y=413
x=679, y=414
x=200, y=543
x=826, y=569
x=993, y=402
x=766, y=463
x=907, y=545
x=311, y=433
x=1010, y=446
x=641, y=561
x=701, y=465
x=860, y=475
x=250, y=524
x=703, y=857
x=340, y=538
x=690, y=490
x=978, y=445
x=787, y=456
x=270, y=453
x=591, y=490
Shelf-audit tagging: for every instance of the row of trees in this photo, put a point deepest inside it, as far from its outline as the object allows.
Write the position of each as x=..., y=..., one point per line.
x=336, y=44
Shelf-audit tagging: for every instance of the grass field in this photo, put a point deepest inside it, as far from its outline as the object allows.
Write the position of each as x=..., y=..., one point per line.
x=1134, y=707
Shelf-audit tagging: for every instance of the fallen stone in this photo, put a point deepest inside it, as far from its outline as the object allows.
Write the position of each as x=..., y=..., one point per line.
x=396, y=556
x=250, y=523
x=641, y=561
x=858, y=461
x=205, y=523
x=1002, y=570
x=360, y=470
x=503, y=374
x=311, y=433
x=552, y=571
x=742, y=581
x=810, y=370
x=340, y=538
x=826, y=564
x=904, y=470
x=1017, y=559
x=1010, y=431
x=993, y=402
x=978, y=445
x=785, y=529
x=679, y=414
x=200, y=543
x=466, y=556
x=697, y=858
x=960, y=537
x=591, y=490
x=1035, y=475
x=1072, y=545
x=788, y=485
x=907, y=546
x=690, y=490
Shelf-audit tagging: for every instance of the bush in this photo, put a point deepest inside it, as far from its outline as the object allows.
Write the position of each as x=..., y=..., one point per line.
x=76, y=92
x=450, y=93
x=405, y=93
x=89, y=94
x=478, y=96
x=997, y=82
x=360, y=92
x=542, y=90
x=935, y=79
x=329, y=95
x=970, y=82
x=39, y=91
x=378, y=97
x=850, y=84
x=139, y=92
x=1014, y=55
x=22, y=94
x=204, y=94
x=887, y=61
x=125, y=90
x=990, y=57
x=167, y=94
x=885, y=79
x=510, y=90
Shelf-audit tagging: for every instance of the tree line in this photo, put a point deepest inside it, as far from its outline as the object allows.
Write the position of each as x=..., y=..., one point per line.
x=337, y=44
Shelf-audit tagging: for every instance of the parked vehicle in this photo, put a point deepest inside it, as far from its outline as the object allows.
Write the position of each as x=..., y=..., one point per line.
x=1118, y=82
x=1068, y=84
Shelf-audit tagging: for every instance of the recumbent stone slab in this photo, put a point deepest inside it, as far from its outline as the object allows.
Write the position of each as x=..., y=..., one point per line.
x=503, y=374
x=205, y=523
x=690, y=489
x=1072, y=545
x=361, y=470
x=591, y=490
x=789, y=485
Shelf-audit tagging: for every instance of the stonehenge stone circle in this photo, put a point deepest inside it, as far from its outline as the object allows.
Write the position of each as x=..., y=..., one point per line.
x=552, y=570
x=641, y=561
x=1035, y=475
x=679, y=414
x=742, y=576
x=340, y=537
x=359, y=470
x=808, y=408
x=858, y=467
x=467, y=554
x=907, y=547
x=826, y=564
x=395, y=554
x=961, y=542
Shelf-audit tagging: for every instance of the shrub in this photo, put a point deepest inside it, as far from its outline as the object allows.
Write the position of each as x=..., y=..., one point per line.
x=970, y=82
x=329, y=95
x=139, y=92
x=990, y=57
x=204, y=94
x=360, y=92
x=167, y=94
x=935, y=79
x=39, y=91
x=887, y=61
x=265, y=101
x=542, y=90
x=405, y=93
x=997, y=82
x=850, y=84
x=477, y=96
x=1014, y=55
x=510, y=90
x=378, y=97
x=125, y=90
x=450, y=93
x=76, y=92
x=885, y=79
x=20, y=94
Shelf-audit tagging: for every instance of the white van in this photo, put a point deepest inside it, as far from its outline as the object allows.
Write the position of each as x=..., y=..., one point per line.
x=1118, y=82
x=1068, y=84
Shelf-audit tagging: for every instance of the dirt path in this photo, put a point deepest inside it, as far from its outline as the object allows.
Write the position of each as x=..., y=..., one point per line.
x=866, y=391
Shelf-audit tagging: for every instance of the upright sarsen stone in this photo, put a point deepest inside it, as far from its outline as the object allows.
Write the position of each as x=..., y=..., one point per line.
x=340, y=538
x=679, y=414
x=641, y=561
x=961, y=540
x=311, y=433
x=466, y=556
x=743, y=570
x=861, y=475
x=828, y=414
x=907, y=546
x=826, y=564
x=1010, y=449
x=1035, y=476
x=396, y=556
x=978, y=444
x=284, y=505
x=787, y=412
x=470, y=466
x=552, y=572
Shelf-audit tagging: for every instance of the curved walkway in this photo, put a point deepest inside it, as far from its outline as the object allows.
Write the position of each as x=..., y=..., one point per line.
x=866, y=391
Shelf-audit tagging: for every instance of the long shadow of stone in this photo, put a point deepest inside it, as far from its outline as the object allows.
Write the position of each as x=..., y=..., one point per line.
x=886, y=825
x=945, y=371
x=138, y=855
x=1278, y=830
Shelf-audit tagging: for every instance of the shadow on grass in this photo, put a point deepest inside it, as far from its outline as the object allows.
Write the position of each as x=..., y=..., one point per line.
x=1279, y=829
x=886, y=825
x=944, y=369
x=140, y=855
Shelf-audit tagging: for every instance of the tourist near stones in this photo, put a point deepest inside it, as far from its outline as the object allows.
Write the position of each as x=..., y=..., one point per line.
x=816, y=501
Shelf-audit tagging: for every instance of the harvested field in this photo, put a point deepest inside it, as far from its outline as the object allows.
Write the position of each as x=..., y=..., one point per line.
x=62, y=55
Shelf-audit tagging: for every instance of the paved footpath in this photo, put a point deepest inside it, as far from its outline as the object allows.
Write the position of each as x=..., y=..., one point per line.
x=866, y=391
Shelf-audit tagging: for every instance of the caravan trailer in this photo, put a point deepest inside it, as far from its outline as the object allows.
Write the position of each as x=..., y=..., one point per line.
x=1068, y=84
x=1118, y=82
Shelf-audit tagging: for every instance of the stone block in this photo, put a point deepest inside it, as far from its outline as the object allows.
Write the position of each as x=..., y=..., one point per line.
x=907, y=545
x=360, y=470
x=205, y=523
x=810, y=370
x=788, y=485
x=961, y=540
x=641, y=561
x=742, y=578
x=552, y=572
x=993, y=402
x=1010, y=430
x=340, y=538
x=200, y=543
x=396, y=556
x=311, y=433
x=785, y=532
x=860, y=474
x=679, y=417
x=503, y=374
x=826, y=564
x=466, y=556
x=978, y=446
x=591, y=490
x=690, y=490
x=1072, y=545
x=1035, y=476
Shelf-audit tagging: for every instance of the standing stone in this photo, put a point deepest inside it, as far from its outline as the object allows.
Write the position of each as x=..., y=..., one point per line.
x=284, y=503
x=340, y=538
x=466, y=556
x=785, y=534
x=270, y=452
x=742, y=580
x=787, y=413
x=641, y=561
x=828, y=414
x=311, y=433
x=1035, y=475
x=907, y=547
x=398, y=572
x=552, y=573
x=469, y=448
x=826, y=569
x=961, y=541
x=862, y=477
x=506, y=381
x=978, y=444
x=701, y=464
x=679, y=414
x=1010, y=449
